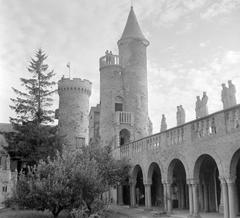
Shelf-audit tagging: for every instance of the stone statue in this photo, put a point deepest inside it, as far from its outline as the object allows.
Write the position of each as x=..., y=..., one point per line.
x=232, y=94
x=183, y=114
x=163, y=124
x=204, y=107
x=225, y=96
x=198, y=107
x=178, y=116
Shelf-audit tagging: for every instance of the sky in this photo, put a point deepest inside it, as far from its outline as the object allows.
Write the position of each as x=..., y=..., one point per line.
x=194, y=47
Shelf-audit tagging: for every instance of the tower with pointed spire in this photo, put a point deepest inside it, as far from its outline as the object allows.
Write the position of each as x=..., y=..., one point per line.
x=123, y=88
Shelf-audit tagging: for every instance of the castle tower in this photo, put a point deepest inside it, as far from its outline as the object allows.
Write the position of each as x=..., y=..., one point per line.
x=123, y=88
x=73, y=110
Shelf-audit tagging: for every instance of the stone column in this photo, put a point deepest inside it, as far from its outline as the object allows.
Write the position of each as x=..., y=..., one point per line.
x=190, y=193
x=148, y=199
x=133, y=193
x=195, y=199
x=224, y=198
x=165, y=195
x=205, y=197
x=169, y=198
x=231, y=197
x=120, y=195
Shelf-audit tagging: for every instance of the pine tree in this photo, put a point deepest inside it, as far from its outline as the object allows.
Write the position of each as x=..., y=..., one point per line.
x=34, y=138
x=33, y=105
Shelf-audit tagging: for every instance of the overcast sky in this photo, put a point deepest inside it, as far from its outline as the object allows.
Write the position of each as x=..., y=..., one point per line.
x=194, y=46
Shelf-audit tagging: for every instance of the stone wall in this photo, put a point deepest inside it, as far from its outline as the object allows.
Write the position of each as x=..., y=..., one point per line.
x=73, y=110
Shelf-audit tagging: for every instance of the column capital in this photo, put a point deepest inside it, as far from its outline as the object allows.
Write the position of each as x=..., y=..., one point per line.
x=192, y=181
x=167, y=181
x=147, y=184
x=231, y=179
x=132, y=181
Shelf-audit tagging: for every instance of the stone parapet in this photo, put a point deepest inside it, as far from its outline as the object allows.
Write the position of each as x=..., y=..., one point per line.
x=214, y=125
x=74, y=85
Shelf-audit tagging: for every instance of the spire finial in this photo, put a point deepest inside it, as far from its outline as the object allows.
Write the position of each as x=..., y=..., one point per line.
x=131, y=3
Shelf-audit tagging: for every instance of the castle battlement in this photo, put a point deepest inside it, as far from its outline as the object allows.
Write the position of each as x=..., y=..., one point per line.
x=75, y=84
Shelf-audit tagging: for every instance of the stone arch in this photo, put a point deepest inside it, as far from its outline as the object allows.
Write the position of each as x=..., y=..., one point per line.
x=177, y=177
x=181, y=158
x=138, y=181
x=153, y=166
x=235, y=176
x=234, y=162
x=124, y=136
x=206, y=173
x=154, y=178
x=199, y=161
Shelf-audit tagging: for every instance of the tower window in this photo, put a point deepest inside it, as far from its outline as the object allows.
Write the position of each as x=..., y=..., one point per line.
x=118, y=107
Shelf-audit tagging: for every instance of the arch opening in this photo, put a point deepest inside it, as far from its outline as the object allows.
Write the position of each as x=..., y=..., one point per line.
x=154, y=175
x=126, y=192
x=140, y=190
x=124, y=136
x=206, y=172
x=235, y=173
x=179, y=188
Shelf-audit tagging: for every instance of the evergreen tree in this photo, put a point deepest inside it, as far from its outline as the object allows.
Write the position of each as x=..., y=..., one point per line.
x=34, y=139
x=33, y=105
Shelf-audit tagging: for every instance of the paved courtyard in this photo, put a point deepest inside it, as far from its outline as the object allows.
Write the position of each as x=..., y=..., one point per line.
x=141, y=212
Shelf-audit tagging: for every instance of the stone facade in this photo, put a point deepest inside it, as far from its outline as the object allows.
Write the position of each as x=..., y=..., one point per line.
x=194, y=166
x=73, y=111
x=123, y=89
x=94, y=125
x=8, y=178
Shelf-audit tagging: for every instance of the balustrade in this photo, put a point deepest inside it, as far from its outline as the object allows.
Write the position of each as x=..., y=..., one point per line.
x=196, y=130
x=204, y=127
x=232, y=119
x=123, y=117
x=109, y=59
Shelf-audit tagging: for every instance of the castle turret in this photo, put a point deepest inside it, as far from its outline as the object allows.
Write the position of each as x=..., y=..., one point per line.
x=133, y=60
x=73, y=110
x=123, y=88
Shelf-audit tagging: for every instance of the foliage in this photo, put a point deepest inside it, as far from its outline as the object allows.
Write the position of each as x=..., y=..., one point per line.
x=33, y=139
x=33, y=105
x=73, y=179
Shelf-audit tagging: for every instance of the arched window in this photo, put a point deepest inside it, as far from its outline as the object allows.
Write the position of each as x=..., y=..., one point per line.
x=124, y=137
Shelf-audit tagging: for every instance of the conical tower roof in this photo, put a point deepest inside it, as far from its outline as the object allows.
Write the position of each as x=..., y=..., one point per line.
x=132, y=28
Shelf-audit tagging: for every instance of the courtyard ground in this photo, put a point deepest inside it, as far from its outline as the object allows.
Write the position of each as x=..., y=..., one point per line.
x=114, y=212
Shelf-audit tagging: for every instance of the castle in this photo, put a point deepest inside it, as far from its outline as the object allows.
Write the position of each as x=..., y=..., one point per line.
x=194, y=166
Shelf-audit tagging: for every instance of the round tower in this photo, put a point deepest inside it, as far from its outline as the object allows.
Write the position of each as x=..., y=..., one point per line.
x=110, y=93
x=133, y=59
x=73, y=111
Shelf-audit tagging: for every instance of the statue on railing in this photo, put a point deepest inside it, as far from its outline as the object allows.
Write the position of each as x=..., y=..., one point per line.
x=163, y=124
x=204, y=107
x=232, y=94
x=228, y=95
x=180, y=115
x=224, y=96
x=201, y=108
x=198, y=107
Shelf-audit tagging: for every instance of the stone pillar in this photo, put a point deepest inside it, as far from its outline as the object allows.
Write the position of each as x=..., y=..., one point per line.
x=165, y=196
x=169, y=198
x=205, y=197
x=231, y=197
x=195, y=199
x=224, y=198
x=148, y=199
x=190, y=193
x=120, y=195
x=133, y=193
